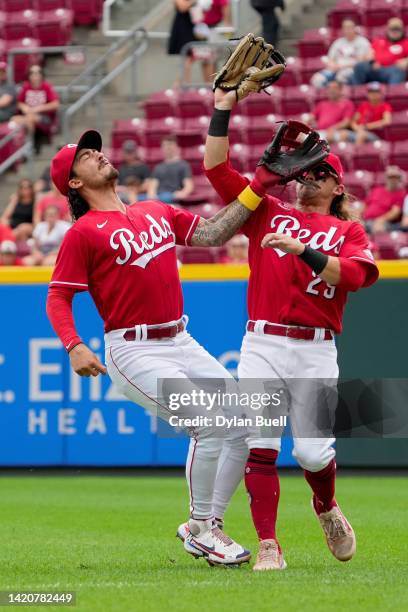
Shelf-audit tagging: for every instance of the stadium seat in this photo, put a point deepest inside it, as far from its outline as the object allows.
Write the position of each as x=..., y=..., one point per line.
x=260, y=130
x=55, y=27
x=51, y=5
x=205, y=210
x=194, y=102
x=399, y=155
x=398, y=130
x=152, y=156
x=237, y=128
x=344, y=150
x=263, y=104
x=17, y=141
x=291, y=76
x=190, y=255
x=23, y=62
x=373, y=156
x=359, y=183
x=87, y=12
x=128, y=129
x=297, y=100
x=314, y=43
x=309, y=66
x=200, y=196
x=254, y=155
x=12, y=6
x=160, y=104
x=391, y=244
x=194, y=156
x=397, y=96
x=358, y=94
x=20, y=25
x=239, y=154
x=193, y=131
x=157, y=129
x=377, y=12
x=345, y=9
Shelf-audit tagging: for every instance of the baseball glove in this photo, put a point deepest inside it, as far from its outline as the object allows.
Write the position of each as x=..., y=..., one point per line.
x=299, y=157
x=252, y=67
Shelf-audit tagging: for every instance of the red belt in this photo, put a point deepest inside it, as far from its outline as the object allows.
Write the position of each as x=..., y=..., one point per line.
x=290, y=331
x=156, y=333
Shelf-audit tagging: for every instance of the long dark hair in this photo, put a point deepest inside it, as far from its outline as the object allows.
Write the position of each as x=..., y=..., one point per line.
x=77, y=205
x=340, y=207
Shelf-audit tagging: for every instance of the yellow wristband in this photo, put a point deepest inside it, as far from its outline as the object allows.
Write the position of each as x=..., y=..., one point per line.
x=249, y=198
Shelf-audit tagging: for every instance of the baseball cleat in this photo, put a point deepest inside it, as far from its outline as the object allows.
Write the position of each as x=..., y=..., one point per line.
x=269, y=557
x=183, y=530
x=339, y=534
x=207, y=540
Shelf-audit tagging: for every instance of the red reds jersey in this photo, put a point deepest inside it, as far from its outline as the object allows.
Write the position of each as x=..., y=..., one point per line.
x=282, y=288
x=127, y=261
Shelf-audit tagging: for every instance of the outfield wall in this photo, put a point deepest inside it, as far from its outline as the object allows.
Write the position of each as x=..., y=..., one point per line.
x=50, y=416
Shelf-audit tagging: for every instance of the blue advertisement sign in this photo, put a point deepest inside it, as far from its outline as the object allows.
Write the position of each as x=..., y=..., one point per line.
x=49, y=416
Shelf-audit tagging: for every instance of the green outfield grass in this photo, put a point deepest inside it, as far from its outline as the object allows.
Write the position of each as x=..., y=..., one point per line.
x=111, y=539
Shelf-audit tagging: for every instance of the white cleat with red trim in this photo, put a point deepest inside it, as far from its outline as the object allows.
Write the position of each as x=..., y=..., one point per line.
x=204, y=539
x=183, y=529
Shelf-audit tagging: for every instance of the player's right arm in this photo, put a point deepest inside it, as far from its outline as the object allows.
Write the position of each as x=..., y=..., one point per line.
x=69, y=277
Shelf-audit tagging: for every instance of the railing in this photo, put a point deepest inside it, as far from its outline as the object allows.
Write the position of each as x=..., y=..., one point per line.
x=140, y=40
x=215, y=45
x=26, y=150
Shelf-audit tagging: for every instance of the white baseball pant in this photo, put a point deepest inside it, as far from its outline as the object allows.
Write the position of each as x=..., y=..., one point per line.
x=215, y=463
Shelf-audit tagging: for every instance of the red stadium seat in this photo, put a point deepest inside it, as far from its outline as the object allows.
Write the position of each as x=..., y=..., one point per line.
x=263, y=104
x=378, y=12
x=152, y=156
x=345, y=151
x=237, y=128
x=260, y=130
x=239, y=154
x=399, y=155
x=358, y=94
x=297, y=100
x=359, y=183
x=291, y=76
x=10, y=147
x=20, y=25
x=161, y=104
x=373, y=156
x=205, y=210
x=12, y=6
x=157, y=129
x=397, y=96
x=193, y=131
x=51, y=5
x=254, y=155
x=55, y=27
x=314, y=43
x=194, y=102
x=199, y=196
x=392, y=245
x=23, y=62
x=195, y=157
x=128, y=129
x=87, y=12
x=346, y=9
x=398, y=130
x=310, y=66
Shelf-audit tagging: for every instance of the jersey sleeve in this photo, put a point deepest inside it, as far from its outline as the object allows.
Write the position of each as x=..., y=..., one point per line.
x=356, y=248
x=51, y=93
x=184, y=225
x=71, y=268
x=227, y=181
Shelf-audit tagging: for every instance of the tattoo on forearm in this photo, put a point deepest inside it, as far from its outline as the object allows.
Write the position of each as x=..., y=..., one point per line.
x=220, y=228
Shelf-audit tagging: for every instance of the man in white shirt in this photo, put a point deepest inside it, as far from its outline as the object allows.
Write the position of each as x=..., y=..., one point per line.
x=343, y=54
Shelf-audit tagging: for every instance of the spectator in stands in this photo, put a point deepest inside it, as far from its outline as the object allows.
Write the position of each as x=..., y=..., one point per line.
x=133, y=167
x=6, y=233
x=343, y=55
x=268, y=10
x=373, y=114
x=19, y=211
x=51, y=198
x=333, y=115
x=44, y=183
x=38, y=104
x=237, y=250
x=171, y=180
x=181, y=33
x=8, y=254
x=208, y=19
x=385, y=202
x=7, y=96
x=48, y=235
x=387, y=62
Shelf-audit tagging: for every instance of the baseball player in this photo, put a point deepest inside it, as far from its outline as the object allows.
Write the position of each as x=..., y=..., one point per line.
x=304, y=259
x=125, y=256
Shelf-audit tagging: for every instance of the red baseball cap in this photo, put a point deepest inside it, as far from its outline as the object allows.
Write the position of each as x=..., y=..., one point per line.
x=62, y=162
x=334, y=162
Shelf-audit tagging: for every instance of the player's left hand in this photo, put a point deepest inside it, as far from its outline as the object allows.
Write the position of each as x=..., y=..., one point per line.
x=285, y=243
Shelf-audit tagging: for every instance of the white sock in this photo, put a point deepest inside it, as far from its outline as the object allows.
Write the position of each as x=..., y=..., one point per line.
x=201, y=470
x=231, y=465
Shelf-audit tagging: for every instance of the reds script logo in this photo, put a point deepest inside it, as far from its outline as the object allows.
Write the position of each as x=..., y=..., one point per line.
x=144, y=244
x=285, y=224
